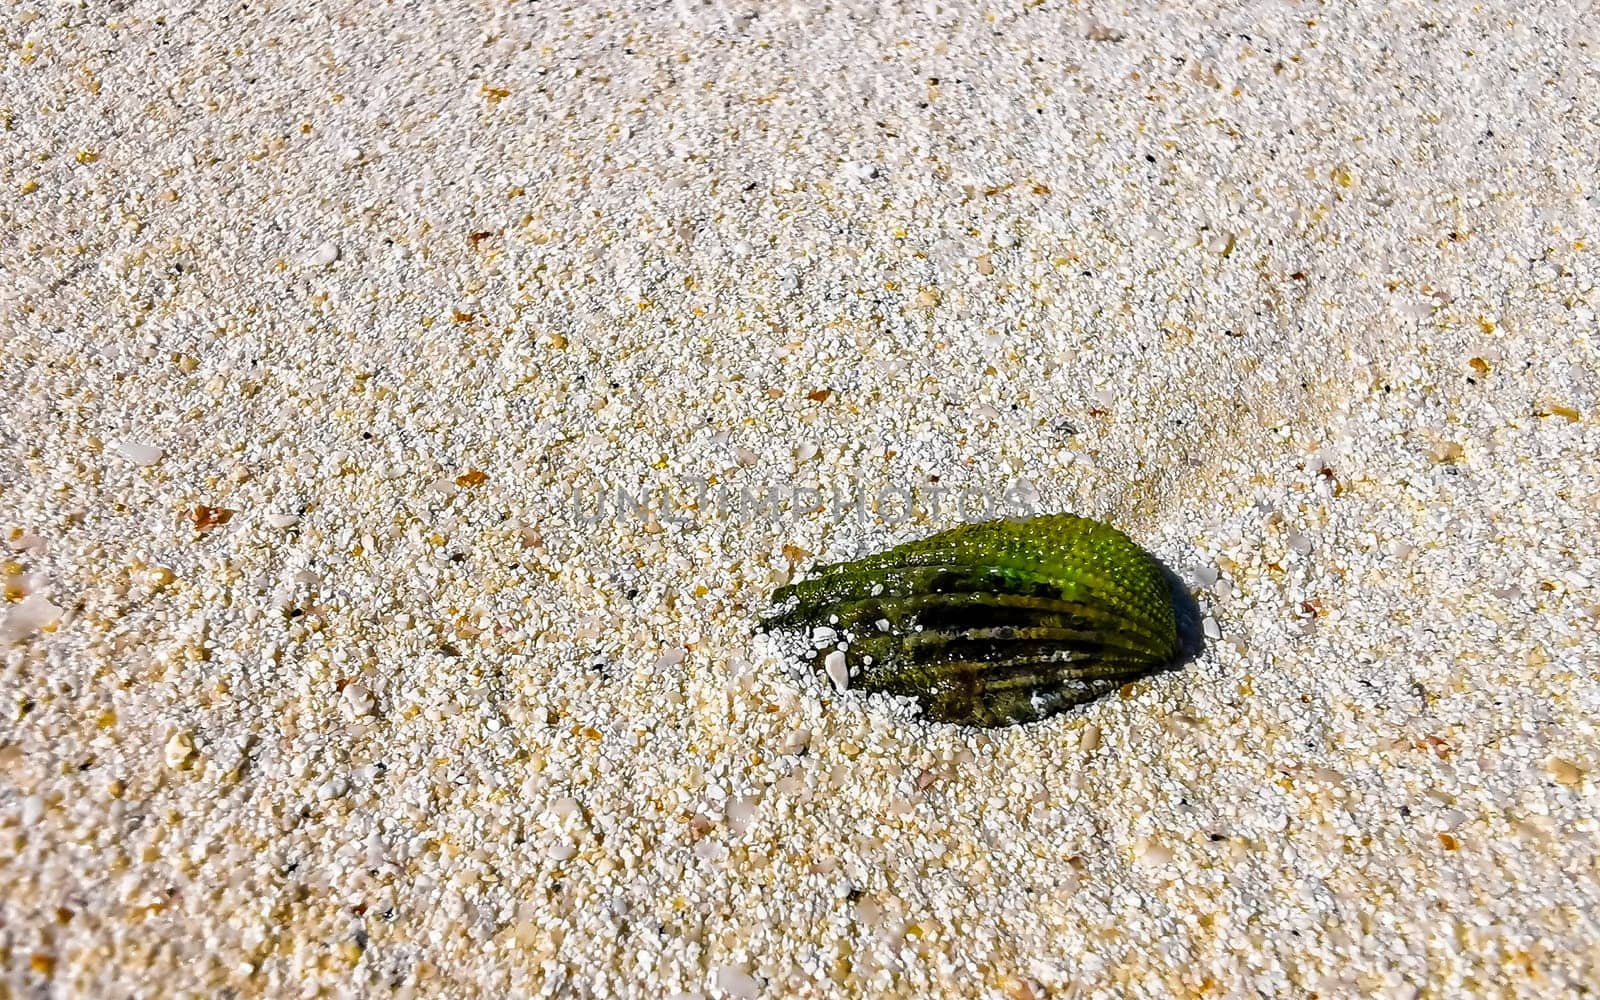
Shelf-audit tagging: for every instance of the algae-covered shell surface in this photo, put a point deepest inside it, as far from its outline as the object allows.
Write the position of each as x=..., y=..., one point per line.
x=991, y=624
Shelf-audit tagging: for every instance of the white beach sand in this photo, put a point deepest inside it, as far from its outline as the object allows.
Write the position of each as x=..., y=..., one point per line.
x=1303, y=299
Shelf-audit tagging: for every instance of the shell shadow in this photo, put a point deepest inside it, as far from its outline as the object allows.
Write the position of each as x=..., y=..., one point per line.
x=1191, y=628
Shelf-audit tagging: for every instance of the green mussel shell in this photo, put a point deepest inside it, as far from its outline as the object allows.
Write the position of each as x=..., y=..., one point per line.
x=992, y=624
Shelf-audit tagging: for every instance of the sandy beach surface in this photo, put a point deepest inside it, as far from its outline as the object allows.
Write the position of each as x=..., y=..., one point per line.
x=332, y=664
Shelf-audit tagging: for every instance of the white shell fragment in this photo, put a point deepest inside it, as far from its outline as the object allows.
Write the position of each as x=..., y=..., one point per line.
x=838, y=671
x=27, y=617
x=139, y=453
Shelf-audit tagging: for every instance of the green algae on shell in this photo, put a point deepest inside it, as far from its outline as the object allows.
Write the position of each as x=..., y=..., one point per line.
x=991, y=624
